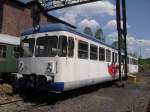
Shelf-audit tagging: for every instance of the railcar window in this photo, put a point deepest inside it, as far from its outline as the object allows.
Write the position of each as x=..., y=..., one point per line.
x=62, y=47
x=3, y=49
x=113, y=57
x=16, y=51
x=93, y=52
x=101, y=54
x=71, y=47
x=127, y=60
x=46, y=46
x=27, y=46
x=122, y=58
x=83, y=50
x=135, y=62
x=108, y=55
x=130, y=61
x=116, y=57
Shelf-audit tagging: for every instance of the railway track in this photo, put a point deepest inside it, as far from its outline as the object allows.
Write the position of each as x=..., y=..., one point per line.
x=28, y=109
x=11, y=102
x=34, y=107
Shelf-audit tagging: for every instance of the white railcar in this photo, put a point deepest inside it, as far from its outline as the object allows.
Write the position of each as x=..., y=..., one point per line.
x=133, y=64
x=63, y=59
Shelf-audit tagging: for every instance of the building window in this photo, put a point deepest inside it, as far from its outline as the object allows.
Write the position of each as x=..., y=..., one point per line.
x=3, y=49
x=101, y=54
x=83, y=50
x=71, y=47
x=108, y=55
x=93, y=52
x=62, y=47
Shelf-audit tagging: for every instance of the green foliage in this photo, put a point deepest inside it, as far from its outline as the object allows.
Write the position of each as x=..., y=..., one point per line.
x=144, y=63
x=88, y=31
x=115, y=44
x=99, y=35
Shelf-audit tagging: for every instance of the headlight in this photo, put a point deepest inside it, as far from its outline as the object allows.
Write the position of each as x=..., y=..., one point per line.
x=51, y=68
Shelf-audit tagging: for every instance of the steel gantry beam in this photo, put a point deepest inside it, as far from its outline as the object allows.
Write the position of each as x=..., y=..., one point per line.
x=50, y=5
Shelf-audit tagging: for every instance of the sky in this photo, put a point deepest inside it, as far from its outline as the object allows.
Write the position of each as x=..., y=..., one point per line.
x=102, y=14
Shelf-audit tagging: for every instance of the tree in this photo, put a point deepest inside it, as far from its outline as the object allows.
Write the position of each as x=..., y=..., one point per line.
x=115, y=44
x=99, y=34
x=88, y=31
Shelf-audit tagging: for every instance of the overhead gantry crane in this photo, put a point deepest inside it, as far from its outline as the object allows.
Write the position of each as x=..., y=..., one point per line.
x=44, y=6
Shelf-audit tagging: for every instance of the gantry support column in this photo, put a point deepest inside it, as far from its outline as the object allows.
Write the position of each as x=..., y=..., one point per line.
x=118, y=18
x=122, y=33
x=125, y=35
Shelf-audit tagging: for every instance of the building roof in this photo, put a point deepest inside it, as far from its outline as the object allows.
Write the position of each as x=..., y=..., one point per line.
x=7, y=39
x=18, y=2
x=62, y=27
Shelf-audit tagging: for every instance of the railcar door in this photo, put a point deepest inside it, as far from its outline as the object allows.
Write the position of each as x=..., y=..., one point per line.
x=3, y=50
x=70, y=59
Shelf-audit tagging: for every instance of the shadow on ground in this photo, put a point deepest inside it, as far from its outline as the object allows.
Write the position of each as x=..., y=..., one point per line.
x=50, y=98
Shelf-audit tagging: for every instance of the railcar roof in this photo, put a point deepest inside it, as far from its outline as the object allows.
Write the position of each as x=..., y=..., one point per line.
x=61, y=27
x=8, y=39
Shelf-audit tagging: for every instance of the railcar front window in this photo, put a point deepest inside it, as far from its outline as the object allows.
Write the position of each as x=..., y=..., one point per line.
x=27, y=46
x=62, y=48
x=46, y=46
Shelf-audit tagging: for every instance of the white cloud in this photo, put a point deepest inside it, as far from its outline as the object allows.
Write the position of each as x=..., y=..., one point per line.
x=112, y=25
x=113, y=36
x=69, y=17
x=131, y=40
x=143, y=42
x=89, y=23
x=87, y=10
x=133, y=43
x=147, y=49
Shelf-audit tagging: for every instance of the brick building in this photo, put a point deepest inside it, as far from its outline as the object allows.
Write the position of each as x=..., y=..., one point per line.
x=16, y=16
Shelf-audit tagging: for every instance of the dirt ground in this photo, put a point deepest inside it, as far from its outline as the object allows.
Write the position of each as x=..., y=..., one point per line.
x=100, y=98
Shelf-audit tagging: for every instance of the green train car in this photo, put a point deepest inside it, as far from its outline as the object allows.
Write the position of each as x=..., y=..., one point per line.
x=9, y=46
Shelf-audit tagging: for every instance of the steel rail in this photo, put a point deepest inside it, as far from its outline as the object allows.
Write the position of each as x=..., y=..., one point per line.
x=10, y=102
